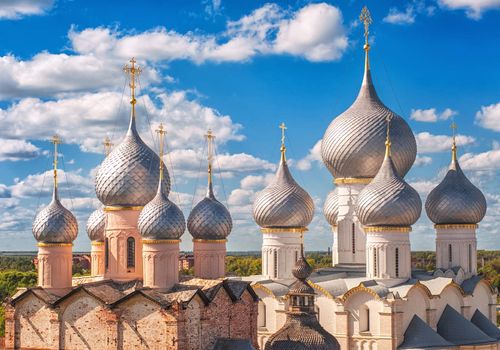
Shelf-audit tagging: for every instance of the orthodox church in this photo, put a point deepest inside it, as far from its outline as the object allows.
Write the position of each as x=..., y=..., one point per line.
x=371, y=298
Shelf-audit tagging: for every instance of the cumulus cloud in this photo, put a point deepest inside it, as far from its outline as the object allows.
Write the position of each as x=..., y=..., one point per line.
x=489, y=117
x=422, y=161
x=14, y=150
x=314, y=155
x=488, y=160
x=397, y=17
x=431, y=115
x=474, y=9
x=17, y=9
x=429, y=143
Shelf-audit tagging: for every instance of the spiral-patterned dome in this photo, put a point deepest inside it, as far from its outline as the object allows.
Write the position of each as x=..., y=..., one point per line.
x=331, y=207
x=96, y=225
x=161, y=219
x=209, y=219
x=455, y=200
x=388, y=200
x=283, y=204
x=55, y=223
x=128, y=176
x=353, y=144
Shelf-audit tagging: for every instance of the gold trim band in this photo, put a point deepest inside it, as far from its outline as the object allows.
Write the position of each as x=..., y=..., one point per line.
x=210, y=240
x=402, y=229
x=472, y=226
x=96, y=243
x=352, y=180
x=283, y=229
x=118, y=208
x=161, y=241
x=55, y=244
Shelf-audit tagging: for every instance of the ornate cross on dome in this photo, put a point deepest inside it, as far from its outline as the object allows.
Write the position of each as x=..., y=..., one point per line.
x=210, y=152
x=134, y=71
x=366, y=18
x=454, y=144
x=107, y=146
x=161, y=134
x=283, y=148
x=388, y=137
x=56, y=140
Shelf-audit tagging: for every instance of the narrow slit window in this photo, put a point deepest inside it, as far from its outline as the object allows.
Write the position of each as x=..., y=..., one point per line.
x=130, y=252
x=470, y=258
x=375, y=262
x=106, y=253
x=450, y=255
x=275, y=264
x=397, y=262
x=353, y=238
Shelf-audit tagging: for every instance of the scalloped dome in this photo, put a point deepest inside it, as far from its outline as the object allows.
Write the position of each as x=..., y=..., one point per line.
x=128, y=176
x=331, y=207
x=209, y=219
x=388, y=200
x=96, y=225
x=455, y=200
x=55, y=223
x=283, y=204
x=352, y=146
x=161, y=219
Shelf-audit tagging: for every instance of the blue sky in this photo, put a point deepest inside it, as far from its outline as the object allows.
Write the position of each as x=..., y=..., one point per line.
x=240, y=68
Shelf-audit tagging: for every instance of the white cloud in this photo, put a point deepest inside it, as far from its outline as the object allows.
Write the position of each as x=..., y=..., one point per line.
x=14, y=150
x=397, y=17
x=314, y=155
x=423, y=187
x=473, y=8
x=431, y=115
x=422, y=161
x=489, y=117
x=488, y=160
x=429, y=143
x=16, y=9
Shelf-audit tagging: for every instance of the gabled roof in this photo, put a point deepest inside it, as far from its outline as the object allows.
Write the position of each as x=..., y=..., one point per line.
x=456, y=329
x=233, y=344
x=483, y=323
x=419, y=335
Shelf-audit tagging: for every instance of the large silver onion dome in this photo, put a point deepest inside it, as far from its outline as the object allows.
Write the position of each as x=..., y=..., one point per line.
x=331, y=207
x=161, y=219
x=353, y=144
x=388, y=200
x=128, y=176
x=283, y=204
x=55, y=223
x=209, y=219
x=96, y=225
x=455, y=200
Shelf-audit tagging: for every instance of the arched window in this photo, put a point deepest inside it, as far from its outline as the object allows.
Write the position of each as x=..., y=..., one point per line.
x=296, y=256
x=316, y=310
x=130, y=252
x=375, y=270
x=275, y=258
x=364, y=318
x=262, y=314
x=450, y=256
x=397, y=262
x=353, y=238
x=106, y=253
x=470, y=258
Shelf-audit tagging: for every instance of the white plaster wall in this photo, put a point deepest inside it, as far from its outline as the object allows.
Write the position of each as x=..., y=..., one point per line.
x=385, y=243
x=460, y=239
x=287, y=246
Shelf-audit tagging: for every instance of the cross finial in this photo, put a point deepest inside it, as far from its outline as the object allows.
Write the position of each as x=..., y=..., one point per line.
x=210, y=152
x=134, y=71
x=283, y=148
x=366, y=18
x=55, y=140
x=107, y=146
x=161, y=134
x=454, y=143
x=388, y=137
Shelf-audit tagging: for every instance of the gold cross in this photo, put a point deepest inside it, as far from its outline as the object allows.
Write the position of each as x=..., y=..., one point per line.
x=161, y=133
x=134, y=72
x=283, y=128
x=56, y=140
x=210, y=151
x=366, y=18
x=107, y=146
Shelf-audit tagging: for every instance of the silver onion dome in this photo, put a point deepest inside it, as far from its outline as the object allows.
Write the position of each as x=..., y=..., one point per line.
x=161, y=219
x=55, y=223
x=209, y=219
x=353, y=144
x=96, y=225
x=283, y=204
x=455, y=200
x=331, y=207
x=128, y=176
x=388, y=200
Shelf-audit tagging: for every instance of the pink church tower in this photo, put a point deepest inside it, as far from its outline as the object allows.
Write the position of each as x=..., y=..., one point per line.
x=209, y=223
x=161, y=224
x=55, y=228
x=126, y=181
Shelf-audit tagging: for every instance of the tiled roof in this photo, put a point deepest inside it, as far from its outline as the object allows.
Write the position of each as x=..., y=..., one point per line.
x=484, y=324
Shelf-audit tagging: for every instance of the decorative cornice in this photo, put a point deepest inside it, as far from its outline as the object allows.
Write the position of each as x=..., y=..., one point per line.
x=402, y=229
x=210, y=240
x=161, y=241
x=360, y=288
x=118, y=208
x=55, y=244
x=321, y=289
x=352, y=180
x=283, y=229
x=264, y=289
x=456, y=226
x=96, y=243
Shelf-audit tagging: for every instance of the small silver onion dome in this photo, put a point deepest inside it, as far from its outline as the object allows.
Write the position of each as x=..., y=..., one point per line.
x=455, y=200
x=161, y=219
x=283, y=204
x=353, y=144
x=209, y=219
x=128, y=176
x=55, y=223
x=331, y=207
x=388, y=200
x=96, y=225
